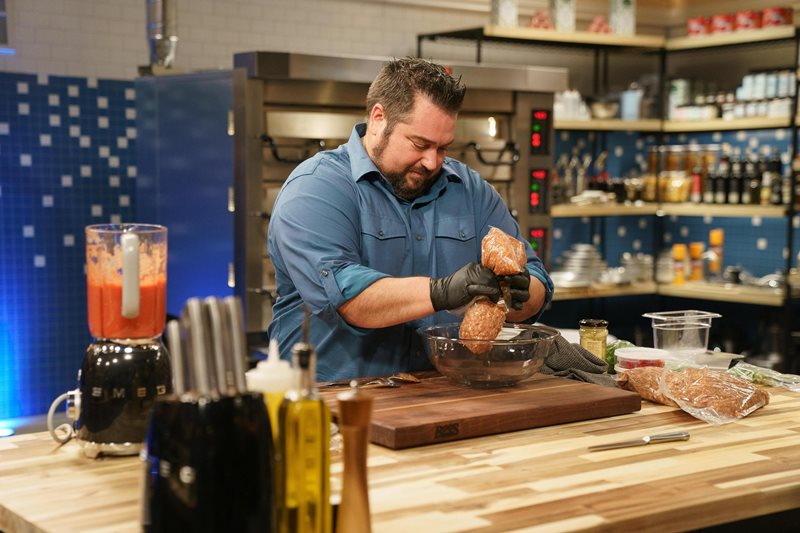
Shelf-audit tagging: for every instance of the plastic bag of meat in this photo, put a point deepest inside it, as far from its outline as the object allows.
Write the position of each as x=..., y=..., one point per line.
x=502, y=253
x=484, y=320
x=644, y=381
x=713, y=396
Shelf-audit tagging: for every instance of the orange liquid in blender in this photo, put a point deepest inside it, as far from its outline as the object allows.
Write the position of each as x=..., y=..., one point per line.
x=105, y=311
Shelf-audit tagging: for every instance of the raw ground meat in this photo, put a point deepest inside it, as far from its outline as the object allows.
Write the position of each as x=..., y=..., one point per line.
x=483, y=320
x=502, y=253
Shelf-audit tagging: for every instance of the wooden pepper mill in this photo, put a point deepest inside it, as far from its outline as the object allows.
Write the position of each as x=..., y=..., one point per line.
x=355, y=410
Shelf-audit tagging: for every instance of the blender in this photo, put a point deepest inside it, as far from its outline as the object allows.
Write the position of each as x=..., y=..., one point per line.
x=127, y=365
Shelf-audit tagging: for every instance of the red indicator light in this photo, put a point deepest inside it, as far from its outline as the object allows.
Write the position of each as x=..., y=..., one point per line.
x=537, y=233
x=536, y=140
x=535, y=199
x=539, y=174
x=540, y=115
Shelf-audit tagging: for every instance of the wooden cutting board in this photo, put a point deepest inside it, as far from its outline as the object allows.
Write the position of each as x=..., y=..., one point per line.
x=437, y=410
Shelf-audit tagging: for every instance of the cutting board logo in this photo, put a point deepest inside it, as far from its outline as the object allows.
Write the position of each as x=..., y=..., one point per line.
x=447, y=430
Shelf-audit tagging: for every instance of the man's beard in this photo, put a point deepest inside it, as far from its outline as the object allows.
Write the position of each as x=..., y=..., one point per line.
x=398, y=179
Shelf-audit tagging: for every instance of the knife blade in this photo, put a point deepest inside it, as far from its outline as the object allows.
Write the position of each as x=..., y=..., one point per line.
x=647, y=439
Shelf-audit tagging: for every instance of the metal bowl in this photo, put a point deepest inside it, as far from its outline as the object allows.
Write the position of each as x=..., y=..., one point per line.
x=517, y=354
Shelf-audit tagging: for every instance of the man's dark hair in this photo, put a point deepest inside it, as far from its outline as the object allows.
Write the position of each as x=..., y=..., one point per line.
x=402, y=79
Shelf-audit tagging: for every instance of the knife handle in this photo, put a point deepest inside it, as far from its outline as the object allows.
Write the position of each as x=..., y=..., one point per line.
x=666, y=437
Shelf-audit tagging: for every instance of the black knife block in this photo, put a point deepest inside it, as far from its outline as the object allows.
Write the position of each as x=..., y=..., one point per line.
x=209, y=466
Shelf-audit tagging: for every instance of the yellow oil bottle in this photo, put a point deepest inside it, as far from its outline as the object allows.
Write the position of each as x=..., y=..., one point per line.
x=303, y=458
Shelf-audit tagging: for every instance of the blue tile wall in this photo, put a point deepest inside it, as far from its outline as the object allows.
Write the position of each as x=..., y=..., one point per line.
x=67, y=160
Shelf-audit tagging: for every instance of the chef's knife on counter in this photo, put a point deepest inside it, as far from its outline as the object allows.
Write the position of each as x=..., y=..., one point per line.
x=647, y=439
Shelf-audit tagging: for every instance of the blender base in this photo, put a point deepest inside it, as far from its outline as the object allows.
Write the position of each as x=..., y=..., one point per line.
x=93, y=450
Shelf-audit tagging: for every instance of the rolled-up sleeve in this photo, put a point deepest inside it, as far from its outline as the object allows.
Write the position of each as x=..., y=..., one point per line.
x=314, y=233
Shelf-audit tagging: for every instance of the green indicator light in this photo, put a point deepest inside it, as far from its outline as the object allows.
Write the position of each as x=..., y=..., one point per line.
x=537, y=127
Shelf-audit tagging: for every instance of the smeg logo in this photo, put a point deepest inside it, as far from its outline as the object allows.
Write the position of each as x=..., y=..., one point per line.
x=447, y=430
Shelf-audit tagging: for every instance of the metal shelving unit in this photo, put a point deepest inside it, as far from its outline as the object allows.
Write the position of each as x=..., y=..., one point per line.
x=602, y=44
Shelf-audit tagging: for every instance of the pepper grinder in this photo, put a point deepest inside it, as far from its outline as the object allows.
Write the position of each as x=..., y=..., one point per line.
x=355, y=410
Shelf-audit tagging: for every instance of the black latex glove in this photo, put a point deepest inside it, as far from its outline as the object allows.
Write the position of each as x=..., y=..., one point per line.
x=460, y=287
x=519, y=285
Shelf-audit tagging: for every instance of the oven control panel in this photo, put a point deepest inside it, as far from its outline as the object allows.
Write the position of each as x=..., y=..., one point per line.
x=540, y=131
x=537, y=238
x=537, y=204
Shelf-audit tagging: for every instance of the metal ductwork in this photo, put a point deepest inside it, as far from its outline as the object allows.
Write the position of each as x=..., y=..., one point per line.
x=162, y=31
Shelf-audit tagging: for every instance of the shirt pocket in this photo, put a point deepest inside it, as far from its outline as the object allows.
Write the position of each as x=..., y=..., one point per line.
x=384, y=244
x=456, y=244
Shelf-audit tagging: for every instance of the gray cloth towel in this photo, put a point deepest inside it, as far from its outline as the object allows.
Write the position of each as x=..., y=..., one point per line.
x=573, y=361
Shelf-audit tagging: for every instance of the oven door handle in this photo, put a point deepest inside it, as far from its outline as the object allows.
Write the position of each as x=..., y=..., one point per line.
x=306, y=147
x=508, y=147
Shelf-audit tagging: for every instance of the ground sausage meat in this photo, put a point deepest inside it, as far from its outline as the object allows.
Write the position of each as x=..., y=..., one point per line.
x=502, y=254
x=483, y=320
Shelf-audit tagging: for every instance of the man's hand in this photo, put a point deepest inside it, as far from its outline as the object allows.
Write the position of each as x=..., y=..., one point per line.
x=460, y=287
x=518, y=285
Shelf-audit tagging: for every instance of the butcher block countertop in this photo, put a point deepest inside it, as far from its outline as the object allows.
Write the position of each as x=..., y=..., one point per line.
x=513, y=481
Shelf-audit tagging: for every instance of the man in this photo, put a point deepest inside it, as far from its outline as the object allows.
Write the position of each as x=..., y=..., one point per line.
x=382, y=235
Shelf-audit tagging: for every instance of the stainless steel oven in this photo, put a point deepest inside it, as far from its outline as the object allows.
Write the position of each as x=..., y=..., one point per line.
x=289, y=106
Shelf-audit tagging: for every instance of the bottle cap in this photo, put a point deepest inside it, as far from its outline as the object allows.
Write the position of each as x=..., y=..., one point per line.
x=716, y=237
x=270, y=375
x=679, y=251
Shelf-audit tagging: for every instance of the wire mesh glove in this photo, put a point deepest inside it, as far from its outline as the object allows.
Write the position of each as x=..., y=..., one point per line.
x=518, y=288
x=460, y=287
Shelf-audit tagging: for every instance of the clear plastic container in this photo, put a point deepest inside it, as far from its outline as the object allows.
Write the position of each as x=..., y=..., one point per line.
x=681, y=339
x=682, y=333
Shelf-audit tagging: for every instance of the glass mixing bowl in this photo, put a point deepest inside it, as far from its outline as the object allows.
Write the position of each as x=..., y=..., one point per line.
x=517, y=354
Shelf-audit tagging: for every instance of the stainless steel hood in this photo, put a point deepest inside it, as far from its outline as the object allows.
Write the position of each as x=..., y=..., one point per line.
x=363, y=69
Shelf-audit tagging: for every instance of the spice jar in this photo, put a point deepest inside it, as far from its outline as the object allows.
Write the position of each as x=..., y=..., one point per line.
x=594, y=336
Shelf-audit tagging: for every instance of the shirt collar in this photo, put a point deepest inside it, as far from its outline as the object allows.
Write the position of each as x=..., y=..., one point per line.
x=362, y=166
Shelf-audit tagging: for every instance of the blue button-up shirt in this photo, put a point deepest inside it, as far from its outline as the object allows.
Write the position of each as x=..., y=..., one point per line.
x=337, y=227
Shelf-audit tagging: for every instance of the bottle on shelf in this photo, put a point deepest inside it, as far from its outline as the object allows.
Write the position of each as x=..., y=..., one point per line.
x=776, y=187
x=696, y=196
x=696, y=257
x=721, y=186
x=735, y=179
x=716, y=240
x=679, y=263
x=751, y=172
x=709, y=185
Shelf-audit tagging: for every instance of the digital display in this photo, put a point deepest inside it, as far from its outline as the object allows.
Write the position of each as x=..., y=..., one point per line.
x=540, y=132
x=537, y=238
x=538, y=192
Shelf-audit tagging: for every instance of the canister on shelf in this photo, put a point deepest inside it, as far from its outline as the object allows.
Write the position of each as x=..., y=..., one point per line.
x=679, y=260
x=594, y=336
x=716, y=239
x=696, y=256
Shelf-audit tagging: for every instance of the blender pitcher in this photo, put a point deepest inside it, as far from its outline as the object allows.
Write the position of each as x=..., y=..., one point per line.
x=127, y=366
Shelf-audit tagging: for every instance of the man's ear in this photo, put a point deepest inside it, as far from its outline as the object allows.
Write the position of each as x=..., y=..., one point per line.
x=377, y=120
